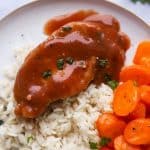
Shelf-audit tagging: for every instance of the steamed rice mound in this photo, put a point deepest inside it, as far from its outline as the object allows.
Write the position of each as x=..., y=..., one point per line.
x=67, y=125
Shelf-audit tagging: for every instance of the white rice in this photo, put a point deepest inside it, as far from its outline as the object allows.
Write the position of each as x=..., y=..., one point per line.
x=69, y=127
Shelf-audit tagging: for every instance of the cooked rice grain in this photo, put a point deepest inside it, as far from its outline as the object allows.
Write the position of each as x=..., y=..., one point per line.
x=67, y=125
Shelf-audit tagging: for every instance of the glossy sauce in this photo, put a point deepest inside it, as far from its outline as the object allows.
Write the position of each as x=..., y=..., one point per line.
x=88, y=43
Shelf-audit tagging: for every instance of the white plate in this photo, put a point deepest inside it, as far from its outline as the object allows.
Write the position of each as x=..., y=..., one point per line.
x=29, y=20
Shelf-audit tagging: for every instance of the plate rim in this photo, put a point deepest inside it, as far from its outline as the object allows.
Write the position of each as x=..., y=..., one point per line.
x=106, y=1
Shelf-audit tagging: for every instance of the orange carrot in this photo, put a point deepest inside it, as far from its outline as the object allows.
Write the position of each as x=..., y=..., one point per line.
x=135, y=72
x=126, y=98
x=142, y=56
x=110, y=126
x=137, y=132
x=121, y=144
x=139, y=112
x=145, y=94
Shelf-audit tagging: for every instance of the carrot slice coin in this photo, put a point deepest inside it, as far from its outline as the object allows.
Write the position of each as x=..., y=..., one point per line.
x=121, y=144
x=126, y=98
x=142, y=56
x=135, y=72
x=110, y=126
x=137, y=132
x=139, y=112
x=145, y=94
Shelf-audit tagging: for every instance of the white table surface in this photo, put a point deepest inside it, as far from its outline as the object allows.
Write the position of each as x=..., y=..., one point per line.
x=143, y=11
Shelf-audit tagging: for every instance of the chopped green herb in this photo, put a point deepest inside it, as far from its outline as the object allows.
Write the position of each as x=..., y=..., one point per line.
x=107, y=77
x=142, y=1
x=30, y=139
x=66, y=28
x=1, y=122
x=46, y=74
x=102, y=63
x=113, y=84
x=69, y=60
x=93, y=146
x=104, y=141
x=60, y=63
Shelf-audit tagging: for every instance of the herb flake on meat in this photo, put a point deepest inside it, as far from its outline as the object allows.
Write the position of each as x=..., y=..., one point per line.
x=69, y=60
x=66, y=28
x=60, y=63
x=107, y=77
x=46, y=74
x=102, y=63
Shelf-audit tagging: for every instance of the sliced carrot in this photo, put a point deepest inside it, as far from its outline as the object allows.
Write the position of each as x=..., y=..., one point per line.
x=121, y=144
x=137, y=132
x=145, y=94
x=109, y=125
x=135, y=72
x=139, y=112
x=142, y=56
x=126, y=98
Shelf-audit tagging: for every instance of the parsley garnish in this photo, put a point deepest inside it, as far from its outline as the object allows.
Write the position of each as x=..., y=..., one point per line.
x=107, y=77
x=69, y=60
x=30, y=139
x=1, y=122
x=46, y=74
x=104, y=141
x=60, y=63
x=66, y=28
x=142, y=1
x=102, y=63
x=113, y=84
x=93, y=146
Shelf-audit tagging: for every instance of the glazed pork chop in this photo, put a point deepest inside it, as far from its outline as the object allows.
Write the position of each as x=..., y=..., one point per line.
x=82, y=47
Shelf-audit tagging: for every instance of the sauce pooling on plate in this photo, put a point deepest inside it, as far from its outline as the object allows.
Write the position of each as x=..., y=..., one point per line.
x=82, y=47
